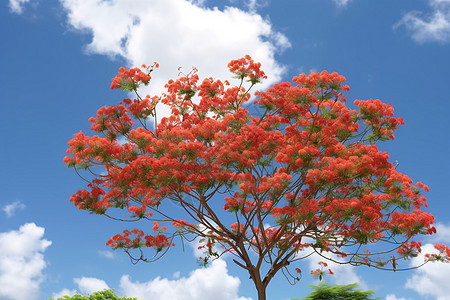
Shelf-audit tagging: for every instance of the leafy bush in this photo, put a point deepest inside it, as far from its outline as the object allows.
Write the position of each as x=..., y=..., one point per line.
x=342, y=292
x=100, y=295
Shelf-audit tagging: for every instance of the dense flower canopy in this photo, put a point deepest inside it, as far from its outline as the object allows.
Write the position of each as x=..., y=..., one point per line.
x=287, y=172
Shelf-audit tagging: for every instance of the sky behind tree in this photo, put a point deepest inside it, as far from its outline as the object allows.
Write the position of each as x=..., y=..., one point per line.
x=58, y=59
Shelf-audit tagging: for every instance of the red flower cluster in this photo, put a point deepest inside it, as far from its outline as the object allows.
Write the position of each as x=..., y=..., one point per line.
x=136, y=239
x=301, y=165
x=244, y=67
x=237, y=204
x=130, y=79
x=181, y=224
x=111, y=121
x=319, y=273
x=238, y=228
x=379, y=116
x=412, y=222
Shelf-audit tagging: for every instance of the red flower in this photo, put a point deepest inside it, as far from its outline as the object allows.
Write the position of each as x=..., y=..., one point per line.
x=155, y=226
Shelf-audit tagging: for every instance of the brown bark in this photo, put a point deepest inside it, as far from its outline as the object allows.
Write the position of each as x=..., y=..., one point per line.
x=262, y=293
x=260, y=286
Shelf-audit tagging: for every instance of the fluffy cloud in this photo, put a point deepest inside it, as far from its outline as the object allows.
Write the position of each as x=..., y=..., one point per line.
x=212, y=282
x=86, y=286
x=22, y=262
x=62, y=293
x=432, y=278
x=443, y=234
x=16, y=6
x=89, y=285
x=431, y=27
x=10, y=209
x=177, y=33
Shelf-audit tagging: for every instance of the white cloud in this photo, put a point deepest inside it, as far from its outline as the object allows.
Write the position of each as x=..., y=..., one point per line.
x=86, y=286
x=442, y=233
x=212, y=282
x=393, y=297
x=198, y=2
x=107, y=254
x=177, y=33
x=89, y=285
x=22, y=262
x=254, y=5
x=437, y=3
x=62, y=293
x=16, y=6
x=431, y=27
x=10, y=209
x=432, y=278
x=341, y=3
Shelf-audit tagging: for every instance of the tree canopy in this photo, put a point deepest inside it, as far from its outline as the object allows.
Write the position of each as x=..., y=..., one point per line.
x=282, y=173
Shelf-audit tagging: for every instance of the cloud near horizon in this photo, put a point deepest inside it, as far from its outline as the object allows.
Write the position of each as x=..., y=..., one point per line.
x=22, y=262
x=86, y=286
x=212, y=282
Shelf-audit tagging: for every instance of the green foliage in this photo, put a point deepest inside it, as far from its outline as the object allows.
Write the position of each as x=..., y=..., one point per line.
x=100, y=295
x=338, y=292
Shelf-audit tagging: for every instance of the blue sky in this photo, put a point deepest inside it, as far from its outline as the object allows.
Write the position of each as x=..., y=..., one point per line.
x=58, y=58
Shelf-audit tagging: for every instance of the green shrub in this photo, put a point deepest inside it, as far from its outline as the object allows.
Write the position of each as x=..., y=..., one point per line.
x=100, y=295
x=338, y=292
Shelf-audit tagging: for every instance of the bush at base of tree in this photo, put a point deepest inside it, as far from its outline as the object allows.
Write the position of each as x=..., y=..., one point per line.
x=344, y=292
x=100, y=295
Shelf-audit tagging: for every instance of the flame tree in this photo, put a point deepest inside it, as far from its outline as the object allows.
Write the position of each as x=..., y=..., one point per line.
x=294, y=173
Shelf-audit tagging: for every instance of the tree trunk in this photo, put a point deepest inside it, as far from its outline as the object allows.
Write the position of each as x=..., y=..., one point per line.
x=259, y=284
x=260, y=287
x=261, y=293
